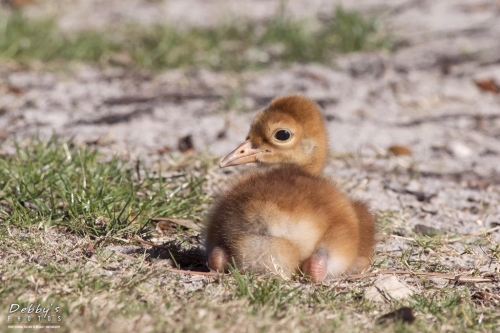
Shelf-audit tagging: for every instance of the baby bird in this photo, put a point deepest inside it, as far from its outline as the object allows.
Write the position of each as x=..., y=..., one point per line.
x=286, y=218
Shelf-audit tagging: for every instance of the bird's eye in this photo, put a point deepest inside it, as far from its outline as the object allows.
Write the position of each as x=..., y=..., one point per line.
x=282, y=135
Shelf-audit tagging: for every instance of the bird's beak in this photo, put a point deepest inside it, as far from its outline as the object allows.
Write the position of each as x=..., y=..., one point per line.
x=243, y=154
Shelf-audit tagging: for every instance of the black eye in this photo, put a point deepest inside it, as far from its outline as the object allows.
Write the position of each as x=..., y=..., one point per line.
x=282, y=135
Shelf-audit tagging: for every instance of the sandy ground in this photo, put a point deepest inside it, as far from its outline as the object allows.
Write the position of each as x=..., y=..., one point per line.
x=424, y=96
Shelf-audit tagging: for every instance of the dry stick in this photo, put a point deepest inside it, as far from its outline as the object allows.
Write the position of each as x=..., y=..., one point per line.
x=182, y=222
x=174, y=270
x=127, y=256
x=405, y=238
x=472, y=235
x=121, y=239
x=150, y=243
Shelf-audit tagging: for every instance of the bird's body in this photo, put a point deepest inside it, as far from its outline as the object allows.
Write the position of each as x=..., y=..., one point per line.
x=286, y=218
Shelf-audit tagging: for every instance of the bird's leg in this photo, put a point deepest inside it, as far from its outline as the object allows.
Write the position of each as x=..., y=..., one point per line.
x=218, y=259
x=316, y=265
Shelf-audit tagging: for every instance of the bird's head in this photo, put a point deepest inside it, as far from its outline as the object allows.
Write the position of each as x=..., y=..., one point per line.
x=291, y=130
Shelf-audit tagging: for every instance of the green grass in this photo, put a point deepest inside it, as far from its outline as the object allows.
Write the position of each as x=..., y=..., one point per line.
x=26, y=39
x=46, y=185
x=230, y=46
x=56, y=183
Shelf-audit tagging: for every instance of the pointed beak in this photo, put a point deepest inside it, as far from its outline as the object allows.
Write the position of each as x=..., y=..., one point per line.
x=243, y=154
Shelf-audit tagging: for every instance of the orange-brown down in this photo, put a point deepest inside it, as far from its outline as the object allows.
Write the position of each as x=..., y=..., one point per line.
x=288, y=219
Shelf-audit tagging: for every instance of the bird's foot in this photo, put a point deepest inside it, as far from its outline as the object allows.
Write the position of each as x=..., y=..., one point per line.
x=316, y=266
x=218, y=259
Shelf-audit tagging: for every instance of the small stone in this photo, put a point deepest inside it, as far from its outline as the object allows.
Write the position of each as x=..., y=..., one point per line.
x=387, y=288
x=459, y=149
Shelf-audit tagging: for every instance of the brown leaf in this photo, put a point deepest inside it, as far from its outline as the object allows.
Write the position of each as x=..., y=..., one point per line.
x=82, y=310
x=89, y=251
x=488, y=85
x=404, y=315
x=222, y=134
x=100, y=142
x=484, y=295
x=399, y=150
x=21, y=3
x=15, y=90
x=164, y=150
x=185, y=144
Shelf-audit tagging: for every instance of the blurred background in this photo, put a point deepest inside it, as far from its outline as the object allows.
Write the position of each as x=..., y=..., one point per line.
x=153, y=77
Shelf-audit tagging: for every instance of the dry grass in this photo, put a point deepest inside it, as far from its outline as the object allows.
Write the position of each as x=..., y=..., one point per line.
x=110, y=282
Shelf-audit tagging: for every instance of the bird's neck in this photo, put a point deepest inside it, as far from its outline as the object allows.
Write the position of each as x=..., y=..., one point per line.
x=315, y=168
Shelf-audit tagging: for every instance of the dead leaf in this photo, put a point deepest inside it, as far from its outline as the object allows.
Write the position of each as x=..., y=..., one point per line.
x=15, y=90
x=21, y=3
x=387, y=288
x=485, y=296
x=488, y=85
x=399, y=150
x=164, y=150
x=89, y=251
x=165, y=223
x=222, y=134
x=404, y=315
x=100, y=142
x=185, y=144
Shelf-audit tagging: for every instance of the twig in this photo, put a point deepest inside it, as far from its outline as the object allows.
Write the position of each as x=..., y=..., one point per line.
x=175, y=270
x=452, y=240
x=188, y=224
x=121, y=239
x=405, y=238
x=150, y=243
